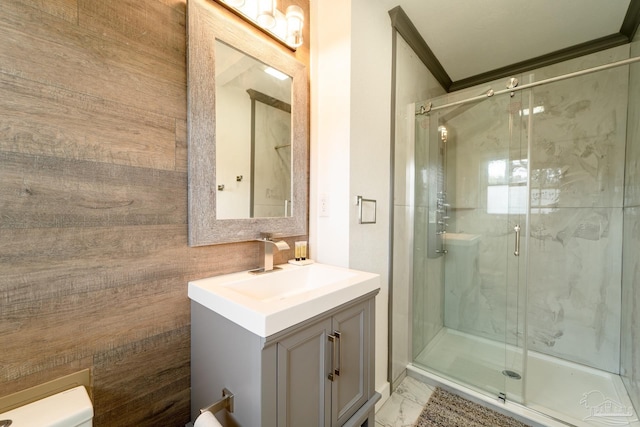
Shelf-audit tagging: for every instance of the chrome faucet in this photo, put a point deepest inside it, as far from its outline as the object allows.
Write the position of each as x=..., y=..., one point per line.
x=267, y=249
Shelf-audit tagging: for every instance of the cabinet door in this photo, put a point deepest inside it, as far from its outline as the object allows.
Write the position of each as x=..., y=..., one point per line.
x=350, y=385
x=304, y=393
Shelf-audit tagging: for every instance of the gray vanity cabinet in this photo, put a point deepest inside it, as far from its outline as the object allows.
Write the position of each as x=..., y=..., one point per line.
x=317, y=373
x=302, y=392
x=323, y=369
x=354, y=354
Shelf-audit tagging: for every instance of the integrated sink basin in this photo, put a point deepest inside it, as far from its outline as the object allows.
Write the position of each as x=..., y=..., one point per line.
x=294, y=281
x=269, y=303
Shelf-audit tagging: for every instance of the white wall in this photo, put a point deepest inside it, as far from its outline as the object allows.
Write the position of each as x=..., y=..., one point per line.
x=330, y=121
x=370, y=155
x=350, y=142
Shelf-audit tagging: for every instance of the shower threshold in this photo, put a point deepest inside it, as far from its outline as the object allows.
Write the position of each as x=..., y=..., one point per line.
x=554, y=389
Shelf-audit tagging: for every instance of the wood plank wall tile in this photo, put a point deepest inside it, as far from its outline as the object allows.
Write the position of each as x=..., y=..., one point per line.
x=94, y=261
x=132, y=368
x=64, y=9
x=149, y=26
x=162, y=408
x=92, y=194
x=39, y=47
x=44, y=120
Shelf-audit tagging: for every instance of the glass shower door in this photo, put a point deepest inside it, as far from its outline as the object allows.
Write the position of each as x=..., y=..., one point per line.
x=470, y=185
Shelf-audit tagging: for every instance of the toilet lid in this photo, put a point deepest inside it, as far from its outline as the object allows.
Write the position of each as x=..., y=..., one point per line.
x=68, y=408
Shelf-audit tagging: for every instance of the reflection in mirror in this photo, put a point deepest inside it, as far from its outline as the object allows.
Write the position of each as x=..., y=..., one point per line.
x=253, y=137
x=270, y=156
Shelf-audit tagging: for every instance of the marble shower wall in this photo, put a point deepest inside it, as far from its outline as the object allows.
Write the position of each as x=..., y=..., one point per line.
x=575, y=250
x=577, y=166
x=630, y=345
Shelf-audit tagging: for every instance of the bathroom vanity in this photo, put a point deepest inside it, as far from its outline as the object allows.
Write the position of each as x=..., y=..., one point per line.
x=317, y=368
x=295, y=347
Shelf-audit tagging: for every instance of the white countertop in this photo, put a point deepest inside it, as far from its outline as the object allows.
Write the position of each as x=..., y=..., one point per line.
x=271, y=302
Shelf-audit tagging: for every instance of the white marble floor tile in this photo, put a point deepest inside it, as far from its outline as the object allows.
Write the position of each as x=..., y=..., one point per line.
x=415, y=390
x=404, y=406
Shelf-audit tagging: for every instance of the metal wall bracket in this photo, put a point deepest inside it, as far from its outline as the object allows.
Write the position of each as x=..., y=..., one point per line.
x=225, y=403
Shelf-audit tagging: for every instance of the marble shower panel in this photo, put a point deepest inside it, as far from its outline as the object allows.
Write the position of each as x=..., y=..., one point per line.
x=577, y=185
x=574, y=285
x=480, y=303
x=578, y=145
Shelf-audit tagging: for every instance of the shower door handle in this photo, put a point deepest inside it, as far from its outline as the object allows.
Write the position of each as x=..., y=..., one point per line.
x=517, y=250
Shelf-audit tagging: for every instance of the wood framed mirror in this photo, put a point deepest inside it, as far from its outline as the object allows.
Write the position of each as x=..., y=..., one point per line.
x=211, y=220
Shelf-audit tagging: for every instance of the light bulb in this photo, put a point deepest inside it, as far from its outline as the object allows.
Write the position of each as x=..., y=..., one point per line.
x=266, y=13
x=295, y=21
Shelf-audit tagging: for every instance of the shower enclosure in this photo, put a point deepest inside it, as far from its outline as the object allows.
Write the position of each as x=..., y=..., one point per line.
x=519, y=208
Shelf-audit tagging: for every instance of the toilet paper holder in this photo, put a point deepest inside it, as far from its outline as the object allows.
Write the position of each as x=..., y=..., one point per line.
x=225, y=403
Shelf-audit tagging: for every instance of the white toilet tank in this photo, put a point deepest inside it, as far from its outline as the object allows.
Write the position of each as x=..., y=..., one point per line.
x=70, y=408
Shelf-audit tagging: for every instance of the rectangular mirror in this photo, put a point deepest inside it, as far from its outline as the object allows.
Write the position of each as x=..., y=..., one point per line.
x=247, y=132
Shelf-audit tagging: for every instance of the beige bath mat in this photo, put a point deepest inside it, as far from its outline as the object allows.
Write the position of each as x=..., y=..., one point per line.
x=445, y=409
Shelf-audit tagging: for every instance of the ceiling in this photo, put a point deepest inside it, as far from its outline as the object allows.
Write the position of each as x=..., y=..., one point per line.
x=471, y=42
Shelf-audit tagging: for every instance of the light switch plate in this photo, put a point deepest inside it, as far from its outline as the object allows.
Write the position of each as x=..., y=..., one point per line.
x=324, y=205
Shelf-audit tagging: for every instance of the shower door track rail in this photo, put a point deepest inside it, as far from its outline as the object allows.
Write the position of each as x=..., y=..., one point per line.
x=427, y=108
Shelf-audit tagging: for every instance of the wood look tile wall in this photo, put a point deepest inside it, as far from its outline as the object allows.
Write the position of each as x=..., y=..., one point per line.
x=94, y=261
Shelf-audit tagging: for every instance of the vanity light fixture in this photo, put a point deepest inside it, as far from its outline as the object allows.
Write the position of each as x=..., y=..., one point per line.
x=264, y=15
